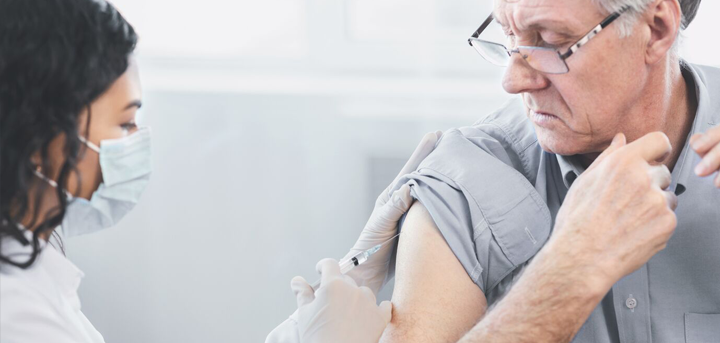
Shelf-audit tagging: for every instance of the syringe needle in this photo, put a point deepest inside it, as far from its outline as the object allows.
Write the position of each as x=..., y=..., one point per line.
x=358, y=259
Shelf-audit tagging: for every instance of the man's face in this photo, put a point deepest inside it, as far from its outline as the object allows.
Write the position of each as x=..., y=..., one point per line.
x=578, y=112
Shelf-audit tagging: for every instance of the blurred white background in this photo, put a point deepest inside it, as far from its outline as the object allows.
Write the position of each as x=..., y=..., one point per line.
x=276, y=123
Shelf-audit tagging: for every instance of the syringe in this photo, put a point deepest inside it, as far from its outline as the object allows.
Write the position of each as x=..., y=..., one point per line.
x=356, y=260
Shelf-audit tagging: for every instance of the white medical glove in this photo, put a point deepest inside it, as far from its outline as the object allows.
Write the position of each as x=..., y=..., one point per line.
x=382, y=225
x=287, y=332
x=339, y=311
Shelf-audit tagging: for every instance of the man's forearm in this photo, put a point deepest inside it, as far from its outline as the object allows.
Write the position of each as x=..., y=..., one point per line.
x=549, y=303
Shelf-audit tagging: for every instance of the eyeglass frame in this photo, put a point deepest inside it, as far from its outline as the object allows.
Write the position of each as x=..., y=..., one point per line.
x=563, y=56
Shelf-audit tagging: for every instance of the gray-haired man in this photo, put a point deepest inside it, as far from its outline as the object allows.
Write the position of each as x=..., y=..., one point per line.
x=572, y=241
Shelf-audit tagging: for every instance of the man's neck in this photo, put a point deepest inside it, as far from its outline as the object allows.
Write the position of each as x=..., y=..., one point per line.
x=669, y=106
x=681, y=114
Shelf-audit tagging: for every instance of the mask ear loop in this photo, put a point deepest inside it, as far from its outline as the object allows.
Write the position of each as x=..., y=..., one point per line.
x=50, y=181
x=89, y=144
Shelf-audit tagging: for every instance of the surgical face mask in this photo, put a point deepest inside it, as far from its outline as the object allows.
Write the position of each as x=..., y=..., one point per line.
x=125, y=166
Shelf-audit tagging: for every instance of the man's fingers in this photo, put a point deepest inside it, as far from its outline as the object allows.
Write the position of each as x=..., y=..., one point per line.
x=653, y=147
x=671, y=199
x=694, y=139
x=704, y=142
x=303, y=292
x=618, y=142
x=710, y=162
x=707, y=145
x=661, y=176
x=329, y=269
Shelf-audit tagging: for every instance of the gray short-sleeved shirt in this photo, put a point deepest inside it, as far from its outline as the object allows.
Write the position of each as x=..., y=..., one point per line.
x=494, y=194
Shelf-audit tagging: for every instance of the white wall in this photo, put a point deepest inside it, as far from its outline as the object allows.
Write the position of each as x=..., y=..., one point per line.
x=700, y=40
x=276, y=124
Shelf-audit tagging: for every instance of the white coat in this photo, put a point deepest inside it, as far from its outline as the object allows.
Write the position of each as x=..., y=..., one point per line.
x=40, y=304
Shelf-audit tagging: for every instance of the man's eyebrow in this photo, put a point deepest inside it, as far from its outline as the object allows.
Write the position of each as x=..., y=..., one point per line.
x=552, y=25
x=557, y=26
x=136, y=103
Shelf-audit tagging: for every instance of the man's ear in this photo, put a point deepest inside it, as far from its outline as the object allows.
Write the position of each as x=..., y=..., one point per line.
x=664, y=18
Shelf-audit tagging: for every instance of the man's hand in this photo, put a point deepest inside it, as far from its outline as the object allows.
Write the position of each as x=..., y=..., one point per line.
x=382, y=225
x=707, y=145
x=617, y=215
x=339, y=311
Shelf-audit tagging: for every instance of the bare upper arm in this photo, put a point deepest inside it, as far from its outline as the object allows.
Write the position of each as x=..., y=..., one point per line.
x=434, y=299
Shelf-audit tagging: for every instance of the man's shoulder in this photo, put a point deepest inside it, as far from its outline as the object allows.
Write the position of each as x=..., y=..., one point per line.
x=507, y=135
x=508, y=124
x=708, y=79
x=709, y=74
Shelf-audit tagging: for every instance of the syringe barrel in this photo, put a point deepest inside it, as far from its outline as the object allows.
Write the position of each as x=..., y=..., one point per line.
x=348, y=265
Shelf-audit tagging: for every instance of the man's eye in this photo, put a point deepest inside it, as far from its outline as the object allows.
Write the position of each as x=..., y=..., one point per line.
x=559, y=45
x=555, y=41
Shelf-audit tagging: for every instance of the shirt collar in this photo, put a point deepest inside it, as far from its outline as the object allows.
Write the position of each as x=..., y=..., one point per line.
x=570, y=169
x=66, y=275
x=704, y=119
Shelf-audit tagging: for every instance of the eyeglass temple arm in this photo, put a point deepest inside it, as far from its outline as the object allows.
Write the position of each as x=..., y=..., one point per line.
x=481, y=28
x=593, y=32
x=612, y=17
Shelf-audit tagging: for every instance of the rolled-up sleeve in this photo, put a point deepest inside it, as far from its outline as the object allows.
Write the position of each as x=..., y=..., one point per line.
x=489, y=214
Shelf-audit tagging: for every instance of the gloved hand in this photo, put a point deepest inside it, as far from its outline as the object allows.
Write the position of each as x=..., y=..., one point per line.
x=339, y=311
x=382, y=225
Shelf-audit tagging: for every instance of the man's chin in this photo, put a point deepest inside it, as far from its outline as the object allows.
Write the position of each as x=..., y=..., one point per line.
x=556, y=144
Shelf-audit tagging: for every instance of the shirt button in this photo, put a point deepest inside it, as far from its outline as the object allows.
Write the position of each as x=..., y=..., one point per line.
x=631, y=303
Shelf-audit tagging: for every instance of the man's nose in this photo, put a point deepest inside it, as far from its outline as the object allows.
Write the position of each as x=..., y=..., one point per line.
x=520, y=77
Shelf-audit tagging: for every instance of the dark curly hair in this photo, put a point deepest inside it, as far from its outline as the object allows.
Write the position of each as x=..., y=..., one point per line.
x=56, y=58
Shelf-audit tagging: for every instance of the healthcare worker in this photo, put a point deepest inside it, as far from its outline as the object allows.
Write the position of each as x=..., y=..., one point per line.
x=339, y=311
x=74, y=161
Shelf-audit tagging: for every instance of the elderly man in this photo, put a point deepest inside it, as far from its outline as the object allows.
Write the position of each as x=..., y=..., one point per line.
x=589, y=245
x=583, y=211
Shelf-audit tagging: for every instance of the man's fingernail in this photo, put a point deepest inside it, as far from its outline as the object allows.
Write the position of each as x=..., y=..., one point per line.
x=701, y=168
x=617, y=139
x=698, y=143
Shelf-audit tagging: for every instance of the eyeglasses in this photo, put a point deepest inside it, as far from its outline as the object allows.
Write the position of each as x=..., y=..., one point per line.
x=543, y=59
